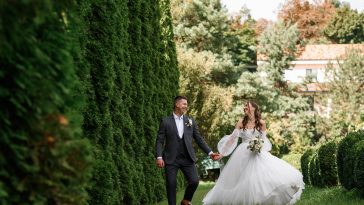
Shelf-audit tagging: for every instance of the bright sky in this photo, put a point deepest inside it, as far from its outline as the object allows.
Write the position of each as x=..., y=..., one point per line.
x=268, y=9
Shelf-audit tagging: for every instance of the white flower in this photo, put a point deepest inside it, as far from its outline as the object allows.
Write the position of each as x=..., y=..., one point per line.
x=255, y=144
x=189, y=122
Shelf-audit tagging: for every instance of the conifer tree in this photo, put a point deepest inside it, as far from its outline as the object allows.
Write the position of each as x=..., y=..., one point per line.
x=44, y=157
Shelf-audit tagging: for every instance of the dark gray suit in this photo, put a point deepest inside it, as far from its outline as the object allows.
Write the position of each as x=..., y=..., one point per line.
x=179, y=154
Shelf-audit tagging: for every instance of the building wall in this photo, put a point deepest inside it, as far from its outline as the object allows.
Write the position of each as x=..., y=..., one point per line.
x=305, y=68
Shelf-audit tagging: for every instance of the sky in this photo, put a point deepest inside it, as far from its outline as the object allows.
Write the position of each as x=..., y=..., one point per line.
x=268, y=9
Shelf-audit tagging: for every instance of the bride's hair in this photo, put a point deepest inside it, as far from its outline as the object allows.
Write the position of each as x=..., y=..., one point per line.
x=257, y=116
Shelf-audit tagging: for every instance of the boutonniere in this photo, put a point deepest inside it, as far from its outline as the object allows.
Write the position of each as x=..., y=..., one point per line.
x=189, y=122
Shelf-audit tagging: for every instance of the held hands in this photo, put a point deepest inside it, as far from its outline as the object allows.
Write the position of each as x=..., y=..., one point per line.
x=160, y=163
x=215, y=156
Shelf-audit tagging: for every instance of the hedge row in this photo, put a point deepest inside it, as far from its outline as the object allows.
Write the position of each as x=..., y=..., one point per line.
x=349, y=159
x=335, y=162
x=83, y=87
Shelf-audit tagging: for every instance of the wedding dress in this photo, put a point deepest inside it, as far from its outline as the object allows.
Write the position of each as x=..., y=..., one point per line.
x=252, y=178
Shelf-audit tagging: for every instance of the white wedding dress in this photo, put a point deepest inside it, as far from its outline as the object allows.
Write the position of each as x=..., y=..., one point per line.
x=251, y=178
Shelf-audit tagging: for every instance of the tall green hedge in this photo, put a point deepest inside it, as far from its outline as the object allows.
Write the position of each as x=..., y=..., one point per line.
x=84, y=83
x=305, y=160
x=133, y=79
x=44, y=158
x=315, y=172
x=346, y=158
x=327, y=163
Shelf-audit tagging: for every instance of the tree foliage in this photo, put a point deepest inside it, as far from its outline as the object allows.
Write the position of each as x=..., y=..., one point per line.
x=346, y=26
x=44, y=157
x=209, y=103
x=345, y=97
x=278, y=47
x=204, y=25
x=213, y=51
x=84, y=85
x=281, y=104
x=311, y=18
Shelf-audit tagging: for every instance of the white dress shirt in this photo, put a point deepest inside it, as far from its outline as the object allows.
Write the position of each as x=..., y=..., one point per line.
x=180, y=128
x=179, y=124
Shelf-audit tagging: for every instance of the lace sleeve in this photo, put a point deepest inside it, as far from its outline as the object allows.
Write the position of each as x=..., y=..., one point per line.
x=267, y=146
x=228, y=143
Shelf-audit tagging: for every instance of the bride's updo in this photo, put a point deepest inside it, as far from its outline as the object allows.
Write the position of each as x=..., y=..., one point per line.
x=257, y=116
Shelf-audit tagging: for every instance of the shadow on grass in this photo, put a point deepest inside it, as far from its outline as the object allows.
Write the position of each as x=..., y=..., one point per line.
x=311, y=196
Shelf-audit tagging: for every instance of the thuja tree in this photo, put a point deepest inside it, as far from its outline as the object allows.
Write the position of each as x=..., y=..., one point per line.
x=132, y=78
x=43, y=157
x=345, y=95
x=107, y=78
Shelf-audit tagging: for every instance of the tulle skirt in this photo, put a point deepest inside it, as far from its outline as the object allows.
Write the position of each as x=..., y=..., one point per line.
x=251, y=178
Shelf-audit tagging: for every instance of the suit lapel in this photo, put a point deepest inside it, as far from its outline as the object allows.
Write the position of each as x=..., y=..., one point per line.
x=173, y=122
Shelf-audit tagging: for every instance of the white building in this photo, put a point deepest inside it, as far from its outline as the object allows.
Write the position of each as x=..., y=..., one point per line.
x=311, y=62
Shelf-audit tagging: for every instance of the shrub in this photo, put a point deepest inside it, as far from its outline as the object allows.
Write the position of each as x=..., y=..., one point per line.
x=305, y=160
x=346, y=158
x=359, y=166
x=327, y=163
x=314, y=171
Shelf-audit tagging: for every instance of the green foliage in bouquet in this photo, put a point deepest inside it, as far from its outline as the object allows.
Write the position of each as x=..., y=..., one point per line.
x=255, y=144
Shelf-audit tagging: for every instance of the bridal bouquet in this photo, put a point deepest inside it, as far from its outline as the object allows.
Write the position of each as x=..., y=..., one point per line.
x=255, y=144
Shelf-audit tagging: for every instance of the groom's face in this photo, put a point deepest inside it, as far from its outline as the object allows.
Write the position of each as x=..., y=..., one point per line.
x=181, y=106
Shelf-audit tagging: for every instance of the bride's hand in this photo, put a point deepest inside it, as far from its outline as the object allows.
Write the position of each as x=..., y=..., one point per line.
x=216, y=156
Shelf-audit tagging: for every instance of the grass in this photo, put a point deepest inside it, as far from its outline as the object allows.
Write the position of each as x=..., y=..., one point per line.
x=201, y=191
x=330, y=196
x=311, y=196
x=294, y=160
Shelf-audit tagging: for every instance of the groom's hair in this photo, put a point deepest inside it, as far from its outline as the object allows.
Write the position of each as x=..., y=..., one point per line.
x=178, y=98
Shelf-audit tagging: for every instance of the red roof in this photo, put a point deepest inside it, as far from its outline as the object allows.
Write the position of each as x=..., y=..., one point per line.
x=327, y=52
x=322, y=52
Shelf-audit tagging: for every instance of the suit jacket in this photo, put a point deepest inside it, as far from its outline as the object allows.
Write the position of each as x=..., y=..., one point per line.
x=167, y=139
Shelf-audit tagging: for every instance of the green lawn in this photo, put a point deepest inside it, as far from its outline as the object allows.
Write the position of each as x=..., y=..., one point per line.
x=311, y=196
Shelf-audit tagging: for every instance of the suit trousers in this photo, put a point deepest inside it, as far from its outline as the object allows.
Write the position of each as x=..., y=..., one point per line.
x=189, y=170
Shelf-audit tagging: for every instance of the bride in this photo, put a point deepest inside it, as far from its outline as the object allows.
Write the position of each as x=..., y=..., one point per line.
x=253, y=177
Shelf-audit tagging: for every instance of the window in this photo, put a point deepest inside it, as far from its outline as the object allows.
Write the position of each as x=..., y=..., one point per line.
x=311, y=74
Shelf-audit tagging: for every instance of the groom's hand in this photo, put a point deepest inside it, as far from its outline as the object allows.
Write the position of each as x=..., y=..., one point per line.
x=215, y=156
x=160, y=163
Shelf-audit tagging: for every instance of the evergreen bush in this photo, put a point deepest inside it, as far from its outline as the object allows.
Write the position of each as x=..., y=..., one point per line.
x=346, y=158
x=315, y=172
x=327, y=163
x=44, y=157
x=305, y=160
x=359, y=166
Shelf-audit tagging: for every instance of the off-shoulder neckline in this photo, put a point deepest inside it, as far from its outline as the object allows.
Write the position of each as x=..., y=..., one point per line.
x=251, y=129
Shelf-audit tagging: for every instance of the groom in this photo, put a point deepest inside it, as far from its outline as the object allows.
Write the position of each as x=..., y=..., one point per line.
x=174, y=150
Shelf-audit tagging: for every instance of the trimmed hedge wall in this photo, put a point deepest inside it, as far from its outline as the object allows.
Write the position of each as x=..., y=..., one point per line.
x=44, y=157
x=346, y=158
x=315, y=172
x=359, y=166
x=84, y=85
x=305, y=160
x=327, y=163
x=336, y=161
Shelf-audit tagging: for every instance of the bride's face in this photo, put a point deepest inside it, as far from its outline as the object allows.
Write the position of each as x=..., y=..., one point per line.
x=249, y=109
